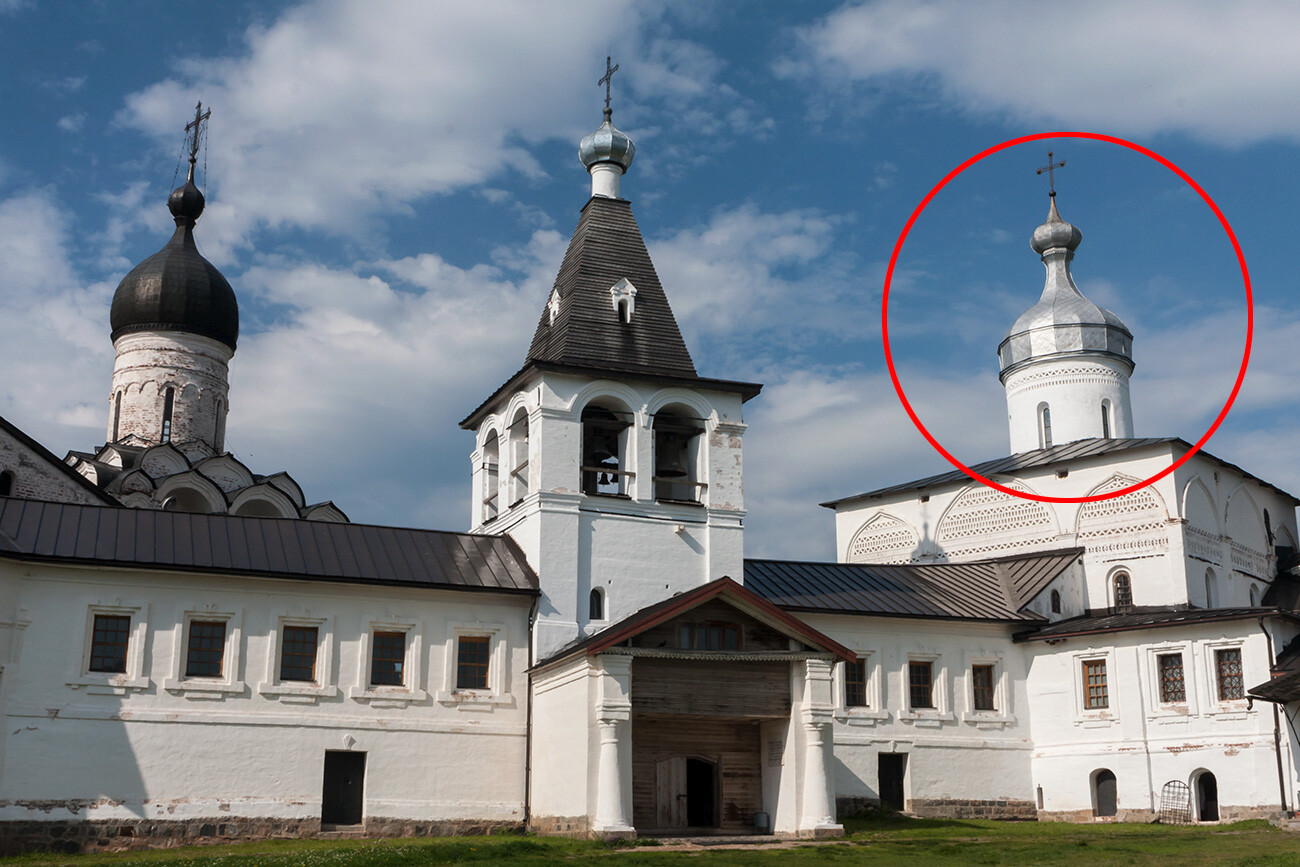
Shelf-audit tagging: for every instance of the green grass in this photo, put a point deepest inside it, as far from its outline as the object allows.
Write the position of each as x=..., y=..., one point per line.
x=879, y=841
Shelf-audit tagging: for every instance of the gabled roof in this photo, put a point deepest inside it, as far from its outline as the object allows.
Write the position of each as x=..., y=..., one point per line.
x=1037, y=458
x=269, y=547
x=989, y=590
x=46, y=455
x=725, y=588
x=607, y=247
x=1148, y=618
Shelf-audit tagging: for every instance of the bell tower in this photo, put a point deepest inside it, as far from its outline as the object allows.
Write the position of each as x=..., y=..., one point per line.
x=1066, y=361
x=608, y=458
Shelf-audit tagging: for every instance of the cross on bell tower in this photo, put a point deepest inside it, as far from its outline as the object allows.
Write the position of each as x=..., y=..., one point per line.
x=1051, y=168
x=194, y=131
x=607, y=80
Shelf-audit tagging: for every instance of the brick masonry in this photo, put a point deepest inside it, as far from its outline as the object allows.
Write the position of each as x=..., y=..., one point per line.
x=945, y=808
x=150, y=362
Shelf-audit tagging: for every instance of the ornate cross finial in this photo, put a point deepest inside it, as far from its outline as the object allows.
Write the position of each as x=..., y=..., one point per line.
x=607, y=80
x=1051, y=168
x=194, y=134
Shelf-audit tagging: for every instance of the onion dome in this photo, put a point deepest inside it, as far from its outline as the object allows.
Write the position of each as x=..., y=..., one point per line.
x=1063, y=322
x=607, y=145
x=176, y=289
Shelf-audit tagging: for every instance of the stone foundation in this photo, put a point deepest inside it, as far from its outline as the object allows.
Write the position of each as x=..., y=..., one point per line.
x=114, y=835
x=561, y=826
x=1226, y=814
x=965, y=808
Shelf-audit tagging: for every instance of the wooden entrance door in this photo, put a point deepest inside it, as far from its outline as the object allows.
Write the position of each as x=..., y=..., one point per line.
x=343, y=792
x=670, y=792
x=892, y=768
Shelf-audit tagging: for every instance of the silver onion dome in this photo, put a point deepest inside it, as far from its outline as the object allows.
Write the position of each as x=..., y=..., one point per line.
x=607, y=145
x=1063, y=322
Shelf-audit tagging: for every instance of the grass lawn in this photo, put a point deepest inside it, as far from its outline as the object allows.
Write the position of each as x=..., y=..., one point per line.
x=870, y=841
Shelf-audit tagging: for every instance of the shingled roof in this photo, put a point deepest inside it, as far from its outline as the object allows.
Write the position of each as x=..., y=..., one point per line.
x=985, y=590
x=607, y=247
x=270, y=547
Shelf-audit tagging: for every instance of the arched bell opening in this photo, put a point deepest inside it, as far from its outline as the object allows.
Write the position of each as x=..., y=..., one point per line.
x=518, y=454
x=490, y=494
x=677, y=439
x=605, y=467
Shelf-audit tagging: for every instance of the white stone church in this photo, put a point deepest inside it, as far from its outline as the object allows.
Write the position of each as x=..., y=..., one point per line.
x=190, y=648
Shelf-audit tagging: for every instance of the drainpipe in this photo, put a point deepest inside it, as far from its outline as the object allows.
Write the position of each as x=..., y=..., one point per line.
x=1277, y=726
x=528, y=717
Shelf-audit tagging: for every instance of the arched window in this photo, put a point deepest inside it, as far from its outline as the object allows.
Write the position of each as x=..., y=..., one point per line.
x=1123, y=592
x=117, y=414
x=677, y=455
x=604, y=452
x=219, y=440
x=1044, y=426
x=6, y=483
x=1104, y=793
x=1105, y=419
x=518, y=434
x=596, y=604
x=1056, y=601
x=491, y=490
x=1211, y=589
x=169, y=400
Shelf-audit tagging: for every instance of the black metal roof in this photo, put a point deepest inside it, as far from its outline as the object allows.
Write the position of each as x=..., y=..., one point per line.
x=1146, y=618
x=176, y=289
x=1064, y=453
x=606, y=247
x=271, y=547
x=1282, y=688
x=983, y=590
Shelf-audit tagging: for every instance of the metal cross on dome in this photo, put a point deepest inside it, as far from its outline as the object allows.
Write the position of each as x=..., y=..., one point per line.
x=194, y=129
x=1051, y=168
x=607, y=80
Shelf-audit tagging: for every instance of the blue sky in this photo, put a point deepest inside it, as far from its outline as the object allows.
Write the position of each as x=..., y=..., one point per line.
x=391, y=187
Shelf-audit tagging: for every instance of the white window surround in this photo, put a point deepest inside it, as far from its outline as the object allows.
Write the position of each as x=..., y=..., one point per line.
x=1098, y=717
x=230, y=682
x=412, y=672
x=1001, y=714
x=1214, y=706
x=296, y=690
x=1151, y=677
x=498, y=688
x=875, y=707
x=939, y=692
x=106, y=682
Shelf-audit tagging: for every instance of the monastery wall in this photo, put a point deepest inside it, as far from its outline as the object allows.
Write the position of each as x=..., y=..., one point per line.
x=33, y=477
x=153, y=744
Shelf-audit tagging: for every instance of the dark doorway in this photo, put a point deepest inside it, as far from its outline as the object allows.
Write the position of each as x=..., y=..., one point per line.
x=343, y=792
x=893, y=767
x=1207, y=797
x=1107, y=799
x=701, y=793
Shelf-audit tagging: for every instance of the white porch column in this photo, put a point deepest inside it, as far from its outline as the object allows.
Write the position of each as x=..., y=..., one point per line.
x=614, y=753
x=817, y=818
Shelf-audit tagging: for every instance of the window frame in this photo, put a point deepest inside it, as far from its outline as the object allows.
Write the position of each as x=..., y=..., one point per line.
x=230, y=682
x=874, y=710
x=1219, y=677
x=298, y=691
x=463, y=666
x=497, y=693
x=1096, y=664
x=104, y=682
x=1160, y=679
x=380, y=695
x=990, y=690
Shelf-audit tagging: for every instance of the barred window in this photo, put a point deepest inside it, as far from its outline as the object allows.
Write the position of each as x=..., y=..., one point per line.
x=1227, y=664
x=207, y=648
x=1123, y=592
x=920, y=681
x=981, y=677
x=472, y=662
x=388, y=659
x=855, y=683
x=1094, y=685
x=108, y=643
x=1172, y=686
x=298, y=653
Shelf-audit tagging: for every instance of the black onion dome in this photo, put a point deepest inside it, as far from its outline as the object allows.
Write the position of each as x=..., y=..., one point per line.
x=176, y=289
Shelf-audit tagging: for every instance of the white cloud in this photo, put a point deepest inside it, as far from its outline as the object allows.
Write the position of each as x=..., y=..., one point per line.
x=1218, y=71
x=72, y=122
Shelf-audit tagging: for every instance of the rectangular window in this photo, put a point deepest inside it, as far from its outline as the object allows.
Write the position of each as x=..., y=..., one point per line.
x=298, y=653
x=1173, y=689
x=981, y=678
x=1094, y=685
x=855, y=683
x=207, y=648
x=387, y=659
x=920, y=681
x=1227, y=666
x=709, y=636
x=472, y=662
x=108, y=643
